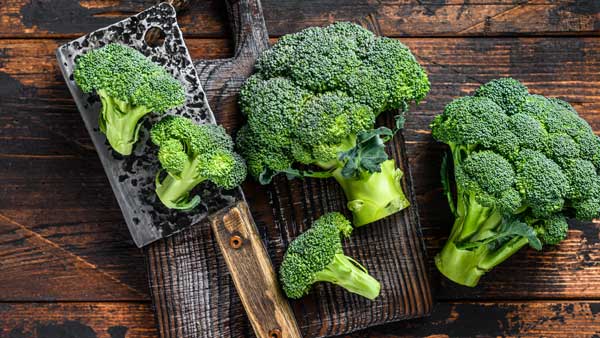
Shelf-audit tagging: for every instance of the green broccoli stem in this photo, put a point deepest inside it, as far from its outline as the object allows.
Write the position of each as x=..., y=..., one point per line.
x=174, y=191
x=119, y=121
x=466, y=267
x=373, y=196
x=475, y=222
x=349, y=274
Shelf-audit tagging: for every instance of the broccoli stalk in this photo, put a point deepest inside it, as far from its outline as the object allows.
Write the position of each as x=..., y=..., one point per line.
x=119, y=121
x=522, y=165
x=192, y=154
x=373, y=196
x=312, y=105
x=317, y=256
x=349, y=274
x=130, y=86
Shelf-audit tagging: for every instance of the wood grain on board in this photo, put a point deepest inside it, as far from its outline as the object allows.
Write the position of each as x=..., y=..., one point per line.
x=71, y=18
x=566, y=319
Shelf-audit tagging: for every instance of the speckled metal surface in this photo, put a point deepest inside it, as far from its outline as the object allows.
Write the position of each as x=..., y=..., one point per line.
x=132, y=178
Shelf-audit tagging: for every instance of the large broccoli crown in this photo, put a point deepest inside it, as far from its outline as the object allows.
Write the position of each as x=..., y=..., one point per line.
x=129, y=76
x=312, y=252
x=523, y=164
x=542, y=148
x=206, y=150
x=315, y=88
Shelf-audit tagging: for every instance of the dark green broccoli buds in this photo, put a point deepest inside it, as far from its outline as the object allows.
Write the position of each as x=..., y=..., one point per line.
x=191, y=154
x=317, y=256
x=313, y=102
x=130, y=86
x=522, y=165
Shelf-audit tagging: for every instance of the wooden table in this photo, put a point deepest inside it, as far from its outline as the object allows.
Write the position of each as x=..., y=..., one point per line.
x=68, y=267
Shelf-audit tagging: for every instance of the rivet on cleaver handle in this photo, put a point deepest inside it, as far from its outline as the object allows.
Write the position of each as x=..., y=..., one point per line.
x=253, y=274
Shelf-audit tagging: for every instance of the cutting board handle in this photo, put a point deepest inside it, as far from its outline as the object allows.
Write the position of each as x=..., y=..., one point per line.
x=253, y=274
x=222, y=78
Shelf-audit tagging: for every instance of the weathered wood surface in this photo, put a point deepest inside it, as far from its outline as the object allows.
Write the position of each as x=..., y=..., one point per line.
x=569, y=319
x=77, y=320
x=62, y=236
x=70, y=18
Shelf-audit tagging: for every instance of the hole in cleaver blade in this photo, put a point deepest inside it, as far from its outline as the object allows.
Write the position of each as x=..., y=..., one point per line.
x=132, y=177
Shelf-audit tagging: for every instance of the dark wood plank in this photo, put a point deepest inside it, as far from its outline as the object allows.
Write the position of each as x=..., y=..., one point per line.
x=68, y=254
x=479, y=319
x=510, y=319
x=69, y=18
x=77, y=320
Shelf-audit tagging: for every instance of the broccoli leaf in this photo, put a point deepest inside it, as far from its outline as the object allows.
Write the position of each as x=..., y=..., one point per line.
x=507, y=231
x=368, y=154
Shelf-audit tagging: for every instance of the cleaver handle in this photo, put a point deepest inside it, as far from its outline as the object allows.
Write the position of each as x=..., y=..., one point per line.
x=253, y=274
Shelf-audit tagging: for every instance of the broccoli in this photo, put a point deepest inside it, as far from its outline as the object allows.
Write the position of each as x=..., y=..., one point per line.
x=191, y=154
x=313, y=103
x=317, y=256
x=130, y=86
x=523, y=165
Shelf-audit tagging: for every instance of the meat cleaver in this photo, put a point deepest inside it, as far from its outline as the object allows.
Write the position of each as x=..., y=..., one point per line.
x=179, y=246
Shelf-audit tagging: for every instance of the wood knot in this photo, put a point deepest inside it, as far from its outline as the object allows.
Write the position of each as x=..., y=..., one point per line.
x=275, y=333
x=235, y=242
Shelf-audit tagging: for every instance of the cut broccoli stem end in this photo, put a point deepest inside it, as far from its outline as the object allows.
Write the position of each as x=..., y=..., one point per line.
x=174, y=192
x=119, y=121
x=374, y=196
x=349, y=274
x=466, y=266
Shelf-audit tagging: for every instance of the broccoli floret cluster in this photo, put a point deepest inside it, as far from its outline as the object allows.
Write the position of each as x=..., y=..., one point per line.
x=130, y=86
x=317, y=256
x=313, y=102
x=523, y=163
x=191, y=154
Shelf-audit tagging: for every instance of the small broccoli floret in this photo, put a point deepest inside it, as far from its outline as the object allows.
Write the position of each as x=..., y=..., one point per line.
x=311, y=110
x=317, y=256
x=532, y=134
x=130, y=86
x=541, y=182
x=508, y=93
x=552, y=230
x=191, y=154
x=522, y=164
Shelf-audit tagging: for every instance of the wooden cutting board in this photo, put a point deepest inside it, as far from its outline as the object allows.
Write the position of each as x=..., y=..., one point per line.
x=191, y=289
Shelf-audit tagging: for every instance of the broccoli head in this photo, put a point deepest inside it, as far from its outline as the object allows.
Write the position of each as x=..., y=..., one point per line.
x=313, y=103
x=130, y=86
x=191, y=154
x=317, y=256
x=523, y=164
